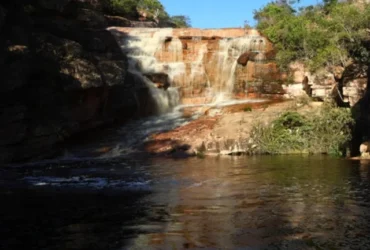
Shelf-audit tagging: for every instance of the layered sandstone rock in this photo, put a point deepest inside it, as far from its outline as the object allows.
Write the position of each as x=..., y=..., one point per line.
x=202, y=62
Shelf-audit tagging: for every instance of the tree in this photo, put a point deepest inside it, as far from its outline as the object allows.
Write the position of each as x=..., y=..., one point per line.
x=181, y=21
x=320, y=35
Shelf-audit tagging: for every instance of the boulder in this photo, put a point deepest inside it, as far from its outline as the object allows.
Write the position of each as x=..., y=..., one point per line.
x=245, y=57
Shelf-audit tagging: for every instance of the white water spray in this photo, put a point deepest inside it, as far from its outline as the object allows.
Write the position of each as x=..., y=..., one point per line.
x=229, y=51
x=142, y=47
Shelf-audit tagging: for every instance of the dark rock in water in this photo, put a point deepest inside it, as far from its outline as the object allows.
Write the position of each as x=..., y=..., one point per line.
x=161, y=80
x=245, y=57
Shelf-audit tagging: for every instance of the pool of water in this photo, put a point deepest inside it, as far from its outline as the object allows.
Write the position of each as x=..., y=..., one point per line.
x=264, y=202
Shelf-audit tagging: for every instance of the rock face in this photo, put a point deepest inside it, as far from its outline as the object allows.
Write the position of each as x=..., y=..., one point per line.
x=245, y=57
x=203, y=63
x=61, y=73
x=347, y=85
x=223, y=132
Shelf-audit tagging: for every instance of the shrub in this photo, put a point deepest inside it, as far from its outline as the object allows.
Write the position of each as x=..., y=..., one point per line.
x=327, y=131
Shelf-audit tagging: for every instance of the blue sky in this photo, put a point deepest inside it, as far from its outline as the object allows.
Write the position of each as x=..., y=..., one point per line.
x=218, y=13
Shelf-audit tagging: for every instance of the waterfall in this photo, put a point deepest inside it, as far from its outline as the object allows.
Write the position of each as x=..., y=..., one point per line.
x=197, y=66
x=198, y=63
x=142, y=47
x=229, y=51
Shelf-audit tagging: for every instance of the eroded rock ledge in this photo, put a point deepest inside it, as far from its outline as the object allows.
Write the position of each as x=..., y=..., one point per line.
x=218, y=132
x=61, y=73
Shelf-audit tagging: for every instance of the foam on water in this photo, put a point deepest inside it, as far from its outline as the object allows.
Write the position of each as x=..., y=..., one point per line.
x=96, y=183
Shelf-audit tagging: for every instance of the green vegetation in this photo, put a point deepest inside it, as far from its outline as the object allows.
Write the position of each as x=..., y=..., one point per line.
x=153, y=10
x=181, y=21
x=129, y=8
x=327, y=130
x=332, y=33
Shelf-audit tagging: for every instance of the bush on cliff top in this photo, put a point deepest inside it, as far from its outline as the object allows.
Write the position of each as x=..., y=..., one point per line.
x=325, y=131
x=333, y=33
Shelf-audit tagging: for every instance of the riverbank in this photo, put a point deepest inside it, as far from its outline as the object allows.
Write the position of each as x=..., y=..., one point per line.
x=224, y=131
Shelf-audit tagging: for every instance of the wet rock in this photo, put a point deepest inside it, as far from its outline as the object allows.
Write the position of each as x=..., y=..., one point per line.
x=161, y=80
x=245, y=57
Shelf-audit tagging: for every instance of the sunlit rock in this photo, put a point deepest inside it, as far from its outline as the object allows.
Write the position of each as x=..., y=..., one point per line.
x=200, y=63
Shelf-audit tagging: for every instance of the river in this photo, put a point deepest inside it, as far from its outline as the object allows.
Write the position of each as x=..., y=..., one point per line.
x=261, y=202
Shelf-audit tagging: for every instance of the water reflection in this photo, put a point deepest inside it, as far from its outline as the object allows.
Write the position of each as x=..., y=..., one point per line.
x=265, y=202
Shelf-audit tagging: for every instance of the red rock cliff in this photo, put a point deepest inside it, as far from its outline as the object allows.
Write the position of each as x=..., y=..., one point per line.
x=201, y=63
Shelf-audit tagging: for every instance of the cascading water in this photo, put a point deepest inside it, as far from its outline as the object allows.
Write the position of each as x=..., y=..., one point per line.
x=197, y=67
x=200, y=63
x=208, y=61
x=229, y=51
x=141, y=47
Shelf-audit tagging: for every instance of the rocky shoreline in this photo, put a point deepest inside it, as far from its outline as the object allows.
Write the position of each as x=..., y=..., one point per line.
x=221, y=131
